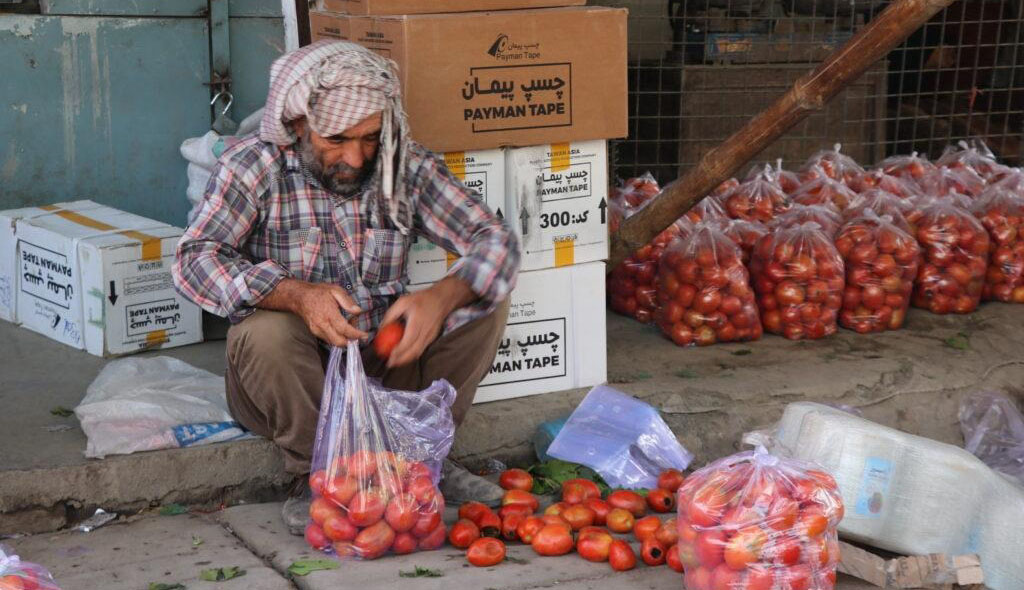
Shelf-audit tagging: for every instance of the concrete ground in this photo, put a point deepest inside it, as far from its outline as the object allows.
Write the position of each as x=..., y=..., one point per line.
x=912, y=379
x=175, y=549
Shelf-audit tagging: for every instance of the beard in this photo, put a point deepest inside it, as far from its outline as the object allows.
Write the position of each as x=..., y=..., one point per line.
x=338, y=178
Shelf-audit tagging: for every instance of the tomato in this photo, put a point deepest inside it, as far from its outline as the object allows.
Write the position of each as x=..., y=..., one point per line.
x=555, y=519
x=628, y=500
x=489, y=524
x=672, y=558
x=782, y=551
x=374, y=540
x=710, y=547
x=516, y=479
x=758, y=577
x=320, y=509
x=367, y=507
x=698, y=578
x=620, y=520
x=318, y=483
x=575, y=491
x=600, y=509
x=652, y=552
x=423, y=489
x=341, y=490
x=621, y=556
x=744, y=548
x=812, y=522
x=724, y=578
x=797, y=577
x=646, y=527
x=707, y=506
x=661, y=500
x=401, y=513
x=434, y=539
x=528, y=527
x=404, y=543
x=314, y=536
x=463, y=533
x=517, y=496
x=668, y=532
x=427, y=522
x=594, y=544
x=578, y=516
x=486, y=552
x=552, y=540
x=388, y=337
x=473, y=511
x=523, y=510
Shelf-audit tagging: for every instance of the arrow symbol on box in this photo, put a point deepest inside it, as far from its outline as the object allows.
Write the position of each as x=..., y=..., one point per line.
x=603, y=206
x=524, y=217
x=500, y=214
x=113, y=295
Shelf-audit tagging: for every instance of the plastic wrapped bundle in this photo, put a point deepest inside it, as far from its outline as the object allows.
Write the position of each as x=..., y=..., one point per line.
x=1002, y=214
x=631, y=285
x=707, y=209
x=955, y=248
x=911, y=167
x=944, y=181
x=630, y=197
x=910, y=494
x=826, y=215
x=974, y=155
x=993, y=430
x=16, y=574
x=835, y=165
x=824, y=190
x=760, y=198
x=876, y=179
x=882, y=203
x=745, y=234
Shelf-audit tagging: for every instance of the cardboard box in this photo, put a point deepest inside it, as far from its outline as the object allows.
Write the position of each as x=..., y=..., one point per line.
x=936, y=570
x=555, y=338
x=9, y=267
x=100, y=279
x=433, y=6
x=558, y=202
x=482, y=171
x=482, y=80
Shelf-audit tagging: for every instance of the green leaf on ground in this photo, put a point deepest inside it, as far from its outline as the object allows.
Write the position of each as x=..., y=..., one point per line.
x=162, y=586
x=61, y=411
x=421, y=572
x=742, y=352
x=303, y=567
x=959, y=342
x=221, y=573
x=196, y=541
x=686, y=374
x=172, y=510
x=548, y=476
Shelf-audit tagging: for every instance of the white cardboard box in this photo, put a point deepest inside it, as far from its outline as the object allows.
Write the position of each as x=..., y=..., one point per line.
x=100, y=279
x=9, y=268
x=555, y=338
x=558, y=199
x=482, y=171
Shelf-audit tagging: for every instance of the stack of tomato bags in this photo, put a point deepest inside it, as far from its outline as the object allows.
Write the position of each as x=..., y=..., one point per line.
x=826, y=215
x=376, y=464
x=955, y=247
x=881, y=263
x=704, y=291
x=759, y=522
x=23, y=575
x=883, y=203
x=1001, y=212
x=799, y=279
x=630, y=285
x=974, y=155
x=759, y=198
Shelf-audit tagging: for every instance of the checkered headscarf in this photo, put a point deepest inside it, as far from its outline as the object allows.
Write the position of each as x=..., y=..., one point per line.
x=335, y=85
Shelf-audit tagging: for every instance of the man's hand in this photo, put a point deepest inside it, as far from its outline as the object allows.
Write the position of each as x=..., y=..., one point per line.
x=319, y=305
x=423, y=314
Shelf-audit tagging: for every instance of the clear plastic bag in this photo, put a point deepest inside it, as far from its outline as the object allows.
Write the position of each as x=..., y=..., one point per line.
x=910, y=167
x=876, y=179
x=974, y=155
x=883, y=203
x=834, y=164
x=955, y=248
x=826, y=215
x=631, y=285
x=993, y=431
x=744, y=234
x=621, y=438
x=759, y=198
x=944, y=181
x=704, y=291
x=881, y=262
x=799, y=279
x=754, y=520
x=1002, y=214
x=16, y=574
x=629, y=197
x=376, y=463
x=822, y=190
x=707, y=209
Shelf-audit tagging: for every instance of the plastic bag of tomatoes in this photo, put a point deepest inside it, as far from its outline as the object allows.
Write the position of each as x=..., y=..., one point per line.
x=629, y=198
x=759, y=522
x=955, y=248
x=707, y=209
x=881, y=264
x=22, y=575
x=799, y=279
x=910, y=167
x=745, y=234
x=631, y=285
x=376, y=464
x=833, y=163
x=882, y=203
x=822, y=190
x=759, y=198
x=1002, y=214
x=825, y=215
x=876, y=179
x=944, y=181
x=704, y=291
x=974, y=155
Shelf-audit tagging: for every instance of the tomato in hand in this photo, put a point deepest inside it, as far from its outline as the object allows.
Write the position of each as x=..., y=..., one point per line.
x=388, y=337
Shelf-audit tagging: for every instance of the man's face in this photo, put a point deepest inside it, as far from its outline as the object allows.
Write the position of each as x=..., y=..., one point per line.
x=341, y=163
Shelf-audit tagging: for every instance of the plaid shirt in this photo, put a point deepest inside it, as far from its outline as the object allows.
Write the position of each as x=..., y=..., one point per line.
x=264, y=219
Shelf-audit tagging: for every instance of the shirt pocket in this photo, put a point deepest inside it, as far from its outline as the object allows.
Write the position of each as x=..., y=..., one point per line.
x=385, y=254
x=298, y=251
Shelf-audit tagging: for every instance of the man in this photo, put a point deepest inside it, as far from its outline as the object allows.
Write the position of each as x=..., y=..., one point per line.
x=302, y=242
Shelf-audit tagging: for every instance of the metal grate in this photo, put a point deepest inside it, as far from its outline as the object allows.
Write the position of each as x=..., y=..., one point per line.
x=699, y=69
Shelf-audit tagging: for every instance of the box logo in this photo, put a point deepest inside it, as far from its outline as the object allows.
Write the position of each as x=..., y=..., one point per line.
x=530, y=351
x=143, y=318
x=507, y=98
x=504, y=49
x=45, y=274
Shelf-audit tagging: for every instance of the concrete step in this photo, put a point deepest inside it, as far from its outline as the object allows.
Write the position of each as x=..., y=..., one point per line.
x=911, y=379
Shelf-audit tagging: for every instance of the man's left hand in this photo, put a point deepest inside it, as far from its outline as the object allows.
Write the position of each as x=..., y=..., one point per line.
x=423, y=314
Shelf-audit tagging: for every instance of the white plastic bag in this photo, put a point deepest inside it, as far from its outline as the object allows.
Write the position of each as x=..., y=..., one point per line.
x=144, y=404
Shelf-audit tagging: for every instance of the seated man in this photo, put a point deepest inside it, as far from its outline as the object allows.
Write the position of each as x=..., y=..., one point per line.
x=302, y=241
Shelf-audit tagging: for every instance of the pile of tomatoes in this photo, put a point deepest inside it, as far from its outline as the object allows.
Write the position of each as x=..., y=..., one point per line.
x=756, y=522
x=366, y=504
x=1002, y=214
x=582, y=521
x=955, y=248
x=799, y=279
x=881, y=262
x=704, y=291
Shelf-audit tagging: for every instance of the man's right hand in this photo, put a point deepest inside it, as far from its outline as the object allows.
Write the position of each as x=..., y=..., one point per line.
x=319, y=305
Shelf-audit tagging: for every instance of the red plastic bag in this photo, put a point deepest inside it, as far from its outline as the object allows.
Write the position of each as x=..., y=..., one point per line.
x=943, y=181
x=631, y=285
x=910, y=167
x=760, y=198
x=754, y=520
x=882, y=203
x=974, y=155
x=376, y=464
x=876, y=179
x=955, y=247
x=834, y=164
x=881, y=262
x=744, y=234
x=825, y=215
x=1002, y=214
x=704, y=291
x=798, y=276
x=16, y=574
x=824, y=190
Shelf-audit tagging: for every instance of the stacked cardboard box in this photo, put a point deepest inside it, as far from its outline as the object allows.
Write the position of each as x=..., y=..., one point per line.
x=521, y=97
x=93, y=277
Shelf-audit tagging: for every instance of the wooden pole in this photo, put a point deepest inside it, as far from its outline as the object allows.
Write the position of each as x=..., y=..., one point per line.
x=808, y=94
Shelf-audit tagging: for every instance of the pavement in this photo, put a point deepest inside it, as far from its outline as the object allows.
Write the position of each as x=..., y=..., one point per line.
x=911, y=379
x=175, y=549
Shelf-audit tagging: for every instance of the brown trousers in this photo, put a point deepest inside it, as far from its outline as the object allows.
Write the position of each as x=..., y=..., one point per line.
x=275, y=375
